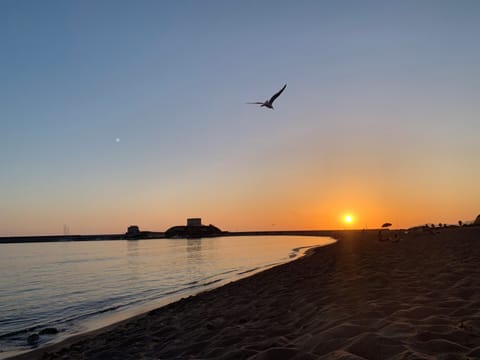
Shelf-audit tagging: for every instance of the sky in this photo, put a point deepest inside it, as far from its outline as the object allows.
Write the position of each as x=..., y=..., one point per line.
x=114, y=113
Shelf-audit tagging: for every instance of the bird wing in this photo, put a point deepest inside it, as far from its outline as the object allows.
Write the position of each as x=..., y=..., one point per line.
x=272, y=99
x=257, y=102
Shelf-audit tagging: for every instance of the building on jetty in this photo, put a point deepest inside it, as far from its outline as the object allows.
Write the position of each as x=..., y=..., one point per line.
x=193, y=229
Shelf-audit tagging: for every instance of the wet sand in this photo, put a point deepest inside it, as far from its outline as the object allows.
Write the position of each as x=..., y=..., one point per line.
x=360, y=298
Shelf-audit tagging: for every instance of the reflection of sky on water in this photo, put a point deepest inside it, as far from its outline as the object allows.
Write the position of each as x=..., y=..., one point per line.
x=132, y=258
x=202, y=249
x=194, y=250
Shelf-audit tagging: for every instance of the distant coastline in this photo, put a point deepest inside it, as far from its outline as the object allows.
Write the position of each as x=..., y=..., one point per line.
x=150, y=235
x=63, y=238
x=195, y=229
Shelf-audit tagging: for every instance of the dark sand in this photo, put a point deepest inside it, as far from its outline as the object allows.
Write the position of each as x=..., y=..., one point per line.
x=418, y=298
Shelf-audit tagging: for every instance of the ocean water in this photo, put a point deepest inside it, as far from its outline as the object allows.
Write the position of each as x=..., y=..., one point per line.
x=79, y=286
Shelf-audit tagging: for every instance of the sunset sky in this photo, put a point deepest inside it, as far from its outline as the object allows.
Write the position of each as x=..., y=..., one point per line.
x=115, y=113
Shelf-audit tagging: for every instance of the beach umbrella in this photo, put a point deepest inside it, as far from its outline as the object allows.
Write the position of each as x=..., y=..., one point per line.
x=386, y=225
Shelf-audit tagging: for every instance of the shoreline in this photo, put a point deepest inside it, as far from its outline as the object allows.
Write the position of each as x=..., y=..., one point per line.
x=358, y=298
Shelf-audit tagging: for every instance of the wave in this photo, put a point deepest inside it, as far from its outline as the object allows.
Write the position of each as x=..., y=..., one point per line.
x=248, y=271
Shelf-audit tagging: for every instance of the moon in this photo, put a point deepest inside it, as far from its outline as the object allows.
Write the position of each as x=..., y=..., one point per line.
x=117, y=140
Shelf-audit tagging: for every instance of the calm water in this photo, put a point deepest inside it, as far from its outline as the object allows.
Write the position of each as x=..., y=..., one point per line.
x=77, y=286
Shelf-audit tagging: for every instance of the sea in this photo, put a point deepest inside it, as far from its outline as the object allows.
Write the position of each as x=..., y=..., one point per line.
x=78, y=286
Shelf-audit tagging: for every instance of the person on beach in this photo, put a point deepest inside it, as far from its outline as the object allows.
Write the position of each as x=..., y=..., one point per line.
x=380, y=235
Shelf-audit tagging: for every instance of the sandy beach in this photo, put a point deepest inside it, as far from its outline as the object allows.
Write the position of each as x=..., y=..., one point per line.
x=360, y=298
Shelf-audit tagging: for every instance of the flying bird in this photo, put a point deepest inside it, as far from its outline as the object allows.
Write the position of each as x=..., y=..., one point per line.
x=269, y=103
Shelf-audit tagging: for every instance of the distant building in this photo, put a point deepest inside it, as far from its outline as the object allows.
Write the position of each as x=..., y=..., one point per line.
x=194, y=222
x=133, y=230
x=193, y=229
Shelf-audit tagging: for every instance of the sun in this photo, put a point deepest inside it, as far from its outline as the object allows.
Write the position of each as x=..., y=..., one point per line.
x=348, y=219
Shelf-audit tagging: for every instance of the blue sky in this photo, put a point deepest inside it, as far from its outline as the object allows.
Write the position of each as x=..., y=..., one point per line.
x=379, y=117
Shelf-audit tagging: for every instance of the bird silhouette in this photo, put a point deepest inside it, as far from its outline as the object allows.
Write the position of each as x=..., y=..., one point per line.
x=269, y=103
